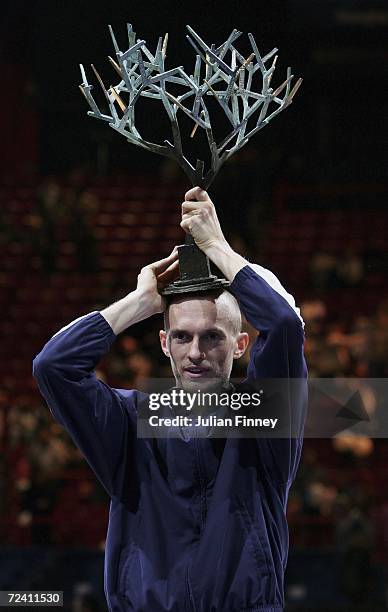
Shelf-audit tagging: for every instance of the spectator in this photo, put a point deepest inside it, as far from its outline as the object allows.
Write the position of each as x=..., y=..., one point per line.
x=378, y=348
x=81, y=207
x=46, y=221
x=323, y=271
x=350, y=269
x=355, y=542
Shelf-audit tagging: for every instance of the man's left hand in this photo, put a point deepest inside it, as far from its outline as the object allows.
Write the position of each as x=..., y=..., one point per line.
x=199, y=218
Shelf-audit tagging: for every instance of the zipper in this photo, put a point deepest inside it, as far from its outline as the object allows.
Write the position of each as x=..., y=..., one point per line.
x=202, y=484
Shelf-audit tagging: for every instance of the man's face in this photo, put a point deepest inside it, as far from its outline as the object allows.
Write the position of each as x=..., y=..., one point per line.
x=201, y=342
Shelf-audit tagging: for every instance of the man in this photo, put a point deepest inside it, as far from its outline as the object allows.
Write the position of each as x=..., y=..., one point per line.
x=197, y=524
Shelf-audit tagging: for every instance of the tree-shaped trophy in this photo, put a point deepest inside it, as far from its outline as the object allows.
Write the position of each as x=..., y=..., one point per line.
x=220, y=73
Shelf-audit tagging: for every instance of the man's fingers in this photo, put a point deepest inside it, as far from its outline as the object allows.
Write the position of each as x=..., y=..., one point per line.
x=191, y=207
x=186, y=225
x=162, y=264
x=174, y=264
x=168, y=275
x=196, y=193
x=190, y=215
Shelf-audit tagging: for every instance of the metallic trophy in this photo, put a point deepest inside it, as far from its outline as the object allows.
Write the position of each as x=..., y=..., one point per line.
x=219, y=72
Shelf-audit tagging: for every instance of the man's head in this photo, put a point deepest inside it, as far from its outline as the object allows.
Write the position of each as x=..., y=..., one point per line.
x=202, y=337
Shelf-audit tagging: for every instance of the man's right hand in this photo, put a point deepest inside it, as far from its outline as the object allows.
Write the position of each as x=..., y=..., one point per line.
x=146, y=300
x=155, y=277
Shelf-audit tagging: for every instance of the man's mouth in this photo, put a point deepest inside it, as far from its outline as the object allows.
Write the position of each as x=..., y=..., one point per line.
x=197, y=371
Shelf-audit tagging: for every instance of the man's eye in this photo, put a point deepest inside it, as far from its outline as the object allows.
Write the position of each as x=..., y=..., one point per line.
x=180, y=337
x=212, y=336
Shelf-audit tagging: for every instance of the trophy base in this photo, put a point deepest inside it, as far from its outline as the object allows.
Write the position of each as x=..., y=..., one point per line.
x=208, y=284
x=195, y=273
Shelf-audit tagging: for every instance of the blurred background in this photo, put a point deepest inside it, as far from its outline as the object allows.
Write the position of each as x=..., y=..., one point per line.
x=81, y=211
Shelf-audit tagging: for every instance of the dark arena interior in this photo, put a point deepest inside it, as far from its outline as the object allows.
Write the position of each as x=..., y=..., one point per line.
x=82, y=211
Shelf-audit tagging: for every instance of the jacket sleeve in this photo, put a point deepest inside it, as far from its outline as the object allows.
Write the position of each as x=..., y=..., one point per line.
x=94, y=415
x=276, y=354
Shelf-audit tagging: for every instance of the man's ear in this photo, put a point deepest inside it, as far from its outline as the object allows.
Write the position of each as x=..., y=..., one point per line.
x=242, y=342
x=163, y=342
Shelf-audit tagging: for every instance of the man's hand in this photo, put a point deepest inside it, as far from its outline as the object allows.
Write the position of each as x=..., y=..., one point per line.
x=199, y=218
x=146, y=300
x=154, y=277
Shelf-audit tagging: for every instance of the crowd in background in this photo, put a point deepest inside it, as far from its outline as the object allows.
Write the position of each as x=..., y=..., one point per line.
x=41, y=450
x=333, y=136
x=58, y=210
x=43, y=476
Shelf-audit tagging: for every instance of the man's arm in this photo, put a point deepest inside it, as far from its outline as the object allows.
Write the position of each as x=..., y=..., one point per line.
x=263, y=300
x=99, y=419
x=278, y=350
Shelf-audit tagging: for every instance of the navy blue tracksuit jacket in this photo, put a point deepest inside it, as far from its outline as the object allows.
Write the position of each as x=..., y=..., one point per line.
x=197, y=525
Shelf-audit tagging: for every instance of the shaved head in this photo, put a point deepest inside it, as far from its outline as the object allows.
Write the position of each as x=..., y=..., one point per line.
x=225, y=302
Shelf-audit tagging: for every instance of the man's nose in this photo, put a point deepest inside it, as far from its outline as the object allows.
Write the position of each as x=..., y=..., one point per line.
x=196, y=354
